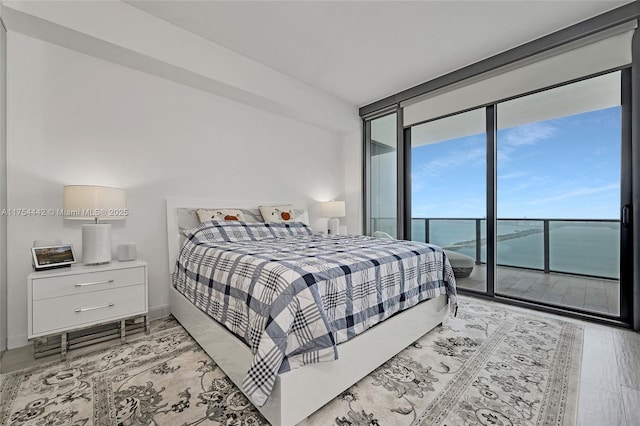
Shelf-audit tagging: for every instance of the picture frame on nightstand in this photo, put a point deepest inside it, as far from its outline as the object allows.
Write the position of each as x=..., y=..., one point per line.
x=50, y=257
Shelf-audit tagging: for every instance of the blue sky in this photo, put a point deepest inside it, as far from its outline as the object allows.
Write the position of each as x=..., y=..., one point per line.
x=563, y=168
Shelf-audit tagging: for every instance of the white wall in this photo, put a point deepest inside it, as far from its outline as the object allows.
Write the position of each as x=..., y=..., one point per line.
x=3, y=191
x=76, y=119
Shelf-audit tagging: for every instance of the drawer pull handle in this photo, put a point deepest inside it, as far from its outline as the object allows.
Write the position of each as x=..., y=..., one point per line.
x=94, y=283
x=110, y=305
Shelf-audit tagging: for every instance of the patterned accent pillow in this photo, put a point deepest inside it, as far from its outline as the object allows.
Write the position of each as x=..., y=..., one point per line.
x=220, y=214
x=219, y=231
x=284, y=213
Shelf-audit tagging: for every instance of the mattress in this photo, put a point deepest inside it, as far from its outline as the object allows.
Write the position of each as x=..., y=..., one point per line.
x=292, y=295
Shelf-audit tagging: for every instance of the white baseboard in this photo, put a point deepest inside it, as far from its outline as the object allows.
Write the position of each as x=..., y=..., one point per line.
x=159, y=312
x=17, y=342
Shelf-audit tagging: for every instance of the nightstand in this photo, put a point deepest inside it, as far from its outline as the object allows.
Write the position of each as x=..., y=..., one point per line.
x=68, y=299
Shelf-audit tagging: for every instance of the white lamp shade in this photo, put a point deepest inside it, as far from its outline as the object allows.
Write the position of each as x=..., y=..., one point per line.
x=83, y=202
x=333, y=209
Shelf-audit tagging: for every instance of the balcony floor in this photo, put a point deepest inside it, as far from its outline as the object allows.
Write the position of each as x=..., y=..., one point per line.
x=590, y=294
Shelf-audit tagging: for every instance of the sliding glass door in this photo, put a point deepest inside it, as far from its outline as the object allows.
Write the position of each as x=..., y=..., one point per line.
x=448, y=190
x=530, y=196
x=559, y=196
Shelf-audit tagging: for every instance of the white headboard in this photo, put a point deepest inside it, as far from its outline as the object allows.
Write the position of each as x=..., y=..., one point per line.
x=174, y=220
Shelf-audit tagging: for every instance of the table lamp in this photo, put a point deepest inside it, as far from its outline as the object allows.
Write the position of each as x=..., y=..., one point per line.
x=333, y=210
x=96, y=203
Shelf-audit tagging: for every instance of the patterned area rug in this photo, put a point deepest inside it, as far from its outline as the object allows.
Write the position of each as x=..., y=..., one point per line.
x=489, y=366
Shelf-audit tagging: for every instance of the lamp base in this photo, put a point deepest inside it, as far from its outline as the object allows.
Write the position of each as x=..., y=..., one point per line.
x=334, y=226
x=96, y=243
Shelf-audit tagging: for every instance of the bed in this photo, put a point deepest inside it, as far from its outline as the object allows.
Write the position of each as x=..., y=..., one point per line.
x=281, y=371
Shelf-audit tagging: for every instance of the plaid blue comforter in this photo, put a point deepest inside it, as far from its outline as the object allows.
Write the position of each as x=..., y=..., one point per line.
x=293, y=295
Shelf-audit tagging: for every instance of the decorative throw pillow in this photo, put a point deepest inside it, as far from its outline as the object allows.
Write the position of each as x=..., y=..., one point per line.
x=284, y=213
x=233, y=231
x=220, y=214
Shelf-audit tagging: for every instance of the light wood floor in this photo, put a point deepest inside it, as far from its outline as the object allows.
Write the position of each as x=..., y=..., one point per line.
x=590, y=294
x=610, y=376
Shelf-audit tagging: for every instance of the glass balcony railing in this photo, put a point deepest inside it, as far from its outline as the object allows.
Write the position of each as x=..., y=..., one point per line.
x=589, y=247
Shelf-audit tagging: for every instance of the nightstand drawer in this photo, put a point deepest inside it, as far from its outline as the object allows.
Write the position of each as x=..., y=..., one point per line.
x=44, y=288
x=60, y=313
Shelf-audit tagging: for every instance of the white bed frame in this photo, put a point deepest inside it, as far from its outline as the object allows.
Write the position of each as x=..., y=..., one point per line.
x=300, y=392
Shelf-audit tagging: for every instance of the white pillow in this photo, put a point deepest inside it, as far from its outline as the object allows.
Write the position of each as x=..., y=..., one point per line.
x=283, y=213
x=220, y=214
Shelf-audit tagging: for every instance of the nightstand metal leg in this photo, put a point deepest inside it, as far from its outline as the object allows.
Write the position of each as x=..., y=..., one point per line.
x=64, y=345
x=123, y=329
x=146, y=324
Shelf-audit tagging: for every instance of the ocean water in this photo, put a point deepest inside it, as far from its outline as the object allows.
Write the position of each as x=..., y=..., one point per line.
x=589, y=248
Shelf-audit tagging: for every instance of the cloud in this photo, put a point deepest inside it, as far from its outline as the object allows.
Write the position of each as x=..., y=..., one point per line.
x=520, y=190
x=529, y=134
x=457, y=158
x=503, y=154
x=423, y=176
x=576, y=193
x=512, y=175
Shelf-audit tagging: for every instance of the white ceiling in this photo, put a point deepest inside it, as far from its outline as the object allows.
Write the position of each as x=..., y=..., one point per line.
x=364, y=51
